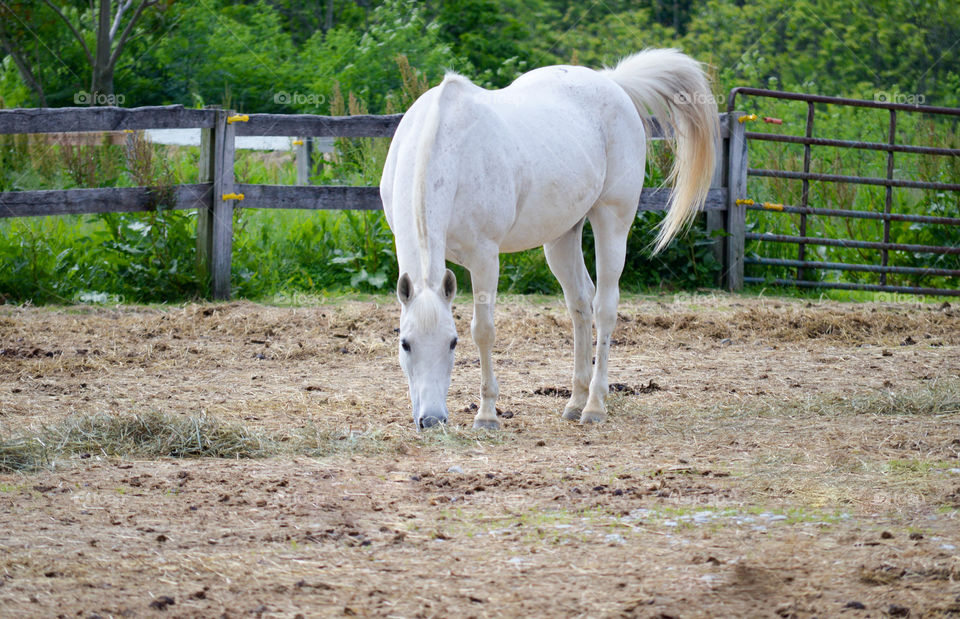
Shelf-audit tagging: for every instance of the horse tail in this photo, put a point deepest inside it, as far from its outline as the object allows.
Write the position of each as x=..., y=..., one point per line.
x=673, y=87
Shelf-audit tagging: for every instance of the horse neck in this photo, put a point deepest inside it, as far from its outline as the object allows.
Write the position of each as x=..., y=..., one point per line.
x=429, y=195
x=424, y=188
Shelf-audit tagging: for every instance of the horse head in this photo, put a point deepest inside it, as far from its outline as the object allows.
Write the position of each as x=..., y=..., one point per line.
x=428, y=337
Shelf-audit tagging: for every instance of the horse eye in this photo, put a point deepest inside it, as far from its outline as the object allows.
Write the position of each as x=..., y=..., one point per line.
x=453, y=343
x=405, y=345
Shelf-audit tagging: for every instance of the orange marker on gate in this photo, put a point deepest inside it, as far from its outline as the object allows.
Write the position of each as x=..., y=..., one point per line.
x=766, y=119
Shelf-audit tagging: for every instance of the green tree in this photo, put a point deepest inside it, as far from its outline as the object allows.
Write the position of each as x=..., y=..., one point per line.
x=835, y=47
x=489, y=35
x=365, y=62
x=238, y=55
x=301, y=18
x=87, y=40
x=610, y=37
x=44, y=53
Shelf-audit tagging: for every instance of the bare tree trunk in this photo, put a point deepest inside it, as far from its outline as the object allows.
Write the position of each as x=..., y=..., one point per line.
x=328, y=22
x=101, y=82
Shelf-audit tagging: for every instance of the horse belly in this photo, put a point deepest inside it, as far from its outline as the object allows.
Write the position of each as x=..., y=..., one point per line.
x=549, y=213
x=560, y=186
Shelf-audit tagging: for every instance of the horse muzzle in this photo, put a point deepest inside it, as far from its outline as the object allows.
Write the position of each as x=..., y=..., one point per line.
x=431, y=419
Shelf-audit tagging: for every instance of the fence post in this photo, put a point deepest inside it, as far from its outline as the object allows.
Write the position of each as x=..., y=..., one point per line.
x=215, y=224
x=715, y=219
x=205, y=175
x=736, y=213
x=304, y=156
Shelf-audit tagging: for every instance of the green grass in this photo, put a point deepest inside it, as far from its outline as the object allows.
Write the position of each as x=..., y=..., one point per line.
x=910, y=468
x=553, y=526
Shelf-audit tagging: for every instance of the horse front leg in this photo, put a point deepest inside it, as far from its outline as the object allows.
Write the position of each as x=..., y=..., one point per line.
x=610, y=230
x=484, y=278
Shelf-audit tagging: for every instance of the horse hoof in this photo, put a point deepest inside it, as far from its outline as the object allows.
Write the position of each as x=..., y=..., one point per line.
x=589, y=418
x=486, y=424
x=571, y=414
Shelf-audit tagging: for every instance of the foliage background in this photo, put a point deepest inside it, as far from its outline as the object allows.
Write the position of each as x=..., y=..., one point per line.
x=349, y=56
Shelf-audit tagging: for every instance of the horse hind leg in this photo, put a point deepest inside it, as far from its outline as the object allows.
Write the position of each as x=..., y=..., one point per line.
x=610, y=225
x=565, y=258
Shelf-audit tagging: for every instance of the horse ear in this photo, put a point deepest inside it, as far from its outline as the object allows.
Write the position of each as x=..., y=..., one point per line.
x=448, y=287
x=405, y=288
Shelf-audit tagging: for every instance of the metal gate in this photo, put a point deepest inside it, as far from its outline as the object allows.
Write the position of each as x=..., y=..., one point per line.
x=891, y=264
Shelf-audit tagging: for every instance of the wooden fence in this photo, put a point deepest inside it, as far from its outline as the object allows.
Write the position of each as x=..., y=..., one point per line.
x=217, y=194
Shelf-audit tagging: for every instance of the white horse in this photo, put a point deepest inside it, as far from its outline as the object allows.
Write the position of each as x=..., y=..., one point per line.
x=472, y=173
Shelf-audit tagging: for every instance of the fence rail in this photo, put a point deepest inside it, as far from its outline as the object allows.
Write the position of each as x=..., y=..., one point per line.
x=854, y=180
x=834, y=212
x=70, y=119
x=99, y=200
x=217, y=194
x=365, y=126
x=840, y=266
x=310, y=197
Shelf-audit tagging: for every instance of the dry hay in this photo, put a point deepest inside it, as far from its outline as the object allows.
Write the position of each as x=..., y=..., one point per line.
x=762, y=458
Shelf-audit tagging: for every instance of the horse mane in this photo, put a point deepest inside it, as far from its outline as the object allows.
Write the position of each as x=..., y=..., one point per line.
x=426, y=310
x=428, y=139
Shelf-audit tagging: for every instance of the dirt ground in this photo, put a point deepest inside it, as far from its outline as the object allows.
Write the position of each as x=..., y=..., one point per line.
x=762, y=459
